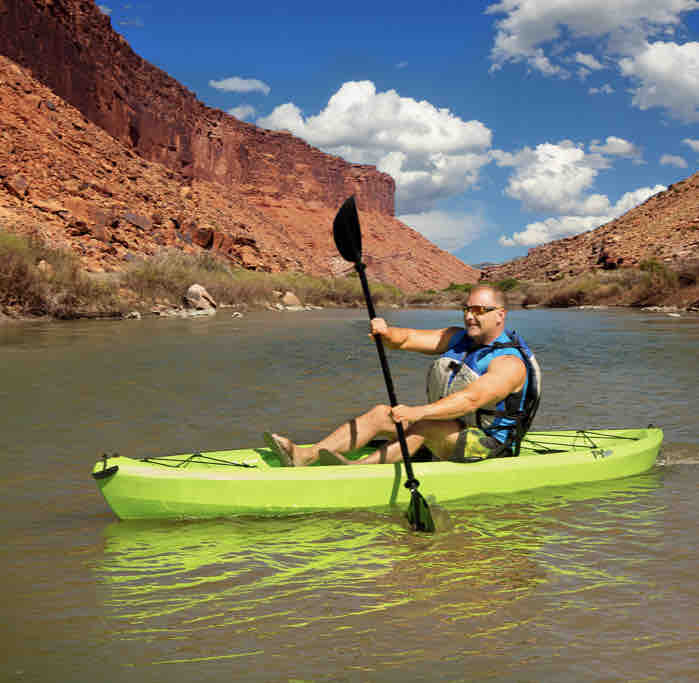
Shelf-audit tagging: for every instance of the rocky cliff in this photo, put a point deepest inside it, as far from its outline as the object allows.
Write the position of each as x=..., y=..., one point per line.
x=68, y=181
x=107, y=154
x=664, y=228
x=70, y=46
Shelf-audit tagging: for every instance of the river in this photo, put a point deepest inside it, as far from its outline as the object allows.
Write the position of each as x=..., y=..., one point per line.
x=595, y=582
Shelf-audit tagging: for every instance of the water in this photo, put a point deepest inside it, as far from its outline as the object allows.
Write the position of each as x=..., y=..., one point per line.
x=585, y=583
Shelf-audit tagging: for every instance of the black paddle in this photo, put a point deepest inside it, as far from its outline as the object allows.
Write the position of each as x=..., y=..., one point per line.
x=348, y=240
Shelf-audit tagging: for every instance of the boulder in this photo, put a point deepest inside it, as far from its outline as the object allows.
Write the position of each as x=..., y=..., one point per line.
x=290, y=299
x=45, y=268
x=198, y=298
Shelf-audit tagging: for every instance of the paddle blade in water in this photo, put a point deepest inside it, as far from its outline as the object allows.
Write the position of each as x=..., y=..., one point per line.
x=418, y=514
x=348, y=238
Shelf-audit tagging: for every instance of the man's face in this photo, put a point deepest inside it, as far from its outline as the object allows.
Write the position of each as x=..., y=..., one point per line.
x=482, y=315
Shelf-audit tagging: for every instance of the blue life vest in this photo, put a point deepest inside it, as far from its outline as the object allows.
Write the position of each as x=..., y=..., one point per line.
x=465, y=360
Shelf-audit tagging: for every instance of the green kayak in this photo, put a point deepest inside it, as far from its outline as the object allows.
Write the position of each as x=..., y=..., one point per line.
x=251, y=481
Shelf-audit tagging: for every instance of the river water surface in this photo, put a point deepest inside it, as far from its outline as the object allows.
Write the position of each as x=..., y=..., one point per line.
x=593, y=582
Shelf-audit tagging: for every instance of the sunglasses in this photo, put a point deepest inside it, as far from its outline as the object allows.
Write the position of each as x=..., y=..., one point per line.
x=479, y=310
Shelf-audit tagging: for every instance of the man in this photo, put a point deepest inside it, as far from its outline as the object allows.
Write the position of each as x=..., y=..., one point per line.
x=479, y=403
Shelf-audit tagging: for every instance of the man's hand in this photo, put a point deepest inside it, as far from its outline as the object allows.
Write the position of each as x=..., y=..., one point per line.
x=378, y=327
x=407, y=414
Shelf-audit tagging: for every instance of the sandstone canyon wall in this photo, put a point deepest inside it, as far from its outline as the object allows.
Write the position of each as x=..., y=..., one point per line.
x=106, y=154
x=70, y=46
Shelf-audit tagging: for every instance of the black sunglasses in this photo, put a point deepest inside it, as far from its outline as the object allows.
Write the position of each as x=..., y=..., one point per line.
x=479, y=310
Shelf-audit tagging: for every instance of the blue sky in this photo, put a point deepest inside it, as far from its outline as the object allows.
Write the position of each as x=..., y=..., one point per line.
x=505, y=124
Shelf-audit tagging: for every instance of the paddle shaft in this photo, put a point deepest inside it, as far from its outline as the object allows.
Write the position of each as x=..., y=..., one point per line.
x=412, y=483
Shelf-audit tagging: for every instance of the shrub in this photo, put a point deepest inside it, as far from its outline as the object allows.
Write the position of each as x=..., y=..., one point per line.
x=61, y=289
x=507, y=284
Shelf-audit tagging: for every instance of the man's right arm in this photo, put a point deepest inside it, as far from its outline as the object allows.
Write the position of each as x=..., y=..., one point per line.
x=408, y=339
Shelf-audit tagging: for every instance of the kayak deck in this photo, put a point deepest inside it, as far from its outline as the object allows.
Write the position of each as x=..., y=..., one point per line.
x=251, y=481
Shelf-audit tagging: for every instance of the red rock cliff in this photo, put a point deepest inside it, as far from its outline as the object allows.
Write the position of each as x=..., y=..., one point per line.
x=70, y=46
x=72, y=184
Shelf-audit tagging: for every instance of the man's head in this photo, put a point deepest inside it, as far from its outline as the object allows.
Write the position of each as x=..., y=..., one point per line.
x=484, y=313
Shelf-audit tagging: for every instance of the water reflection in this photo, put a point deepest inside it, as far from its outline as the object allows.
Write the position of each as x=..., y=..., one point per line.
x=266, y=583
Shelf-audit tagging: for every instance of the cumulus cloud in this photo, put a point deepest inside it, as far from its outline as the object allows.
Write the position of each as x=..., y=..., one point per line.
x=238, y=84
x=104, y=9
x=448, y=231
x=558, y=227
x=694, y=144
x=430, y=152
x=667, y=76
x=529, y=26
x=558, y=179
x=243, y=112
x=554, y=177
x=543, y=33
x=672, y=160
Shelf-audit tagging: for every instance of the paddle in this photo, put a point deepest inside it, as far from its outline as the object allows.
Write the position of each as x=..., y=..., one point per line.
x=348, y=240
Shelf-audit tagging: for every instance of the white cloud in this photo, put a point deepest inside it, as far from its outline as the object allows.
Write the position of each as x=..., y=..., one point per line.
x=531, y=25
x=430, y=152
x=667, y=76
x=558, y=178
x=672, y=160
x=448, y=231
x=104, y=9
x=694, y=144
x=401, y=65
x=242, y=112
x=588, y=61
x=550, y=229
x=238, y=84
x=553, y=177
x=544, y=35
x=614, y=146
x=606, y=89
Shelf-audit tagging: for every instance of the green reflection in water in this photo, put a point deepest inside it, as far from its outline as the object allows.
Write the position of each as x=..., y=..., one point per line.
x=363, y=577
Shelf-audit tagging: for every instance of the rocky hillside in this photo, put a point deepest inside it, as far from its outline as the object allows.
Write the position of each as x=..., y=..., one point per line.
x=107, y=155
x=70, y=46
x=665, y=228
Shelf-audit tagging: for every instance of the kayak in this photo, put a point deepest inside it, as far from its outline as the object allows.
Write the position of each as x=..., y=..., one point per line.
x=252, y=481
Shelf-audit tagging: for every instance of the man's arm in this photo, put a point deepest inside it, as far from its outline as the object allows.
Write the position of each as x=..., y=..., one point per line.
x=506, y=375
x=409, y=339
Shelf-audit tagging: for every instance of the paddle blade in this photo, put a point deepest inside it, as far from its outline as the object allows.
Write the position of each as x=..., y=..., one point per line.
x=348, y=238
x=418, y=514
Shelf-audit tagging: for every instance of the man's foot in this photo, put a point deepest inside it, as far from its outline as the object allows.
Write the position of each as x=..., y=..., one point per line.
x=289, y=454
x=281, y=447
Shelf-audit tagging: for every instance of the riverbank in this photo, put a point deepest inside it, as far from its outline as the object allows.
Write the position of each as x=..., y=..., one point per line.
x=38, y=282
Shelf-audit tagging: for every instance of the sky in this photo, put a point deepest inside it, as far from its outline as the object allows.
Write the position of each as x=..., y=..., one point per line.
x=505, y=124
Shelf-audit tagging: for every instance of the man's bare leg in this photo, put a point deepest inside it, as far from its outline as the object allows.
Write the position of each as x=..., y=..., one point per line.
x=347, y=437
x=438, y=435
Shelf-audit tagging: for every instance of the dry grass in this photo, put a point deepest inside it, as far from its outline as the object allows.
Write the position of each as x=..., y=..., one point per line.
x=38, y=280
x=652, y=283
x=168, y=275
